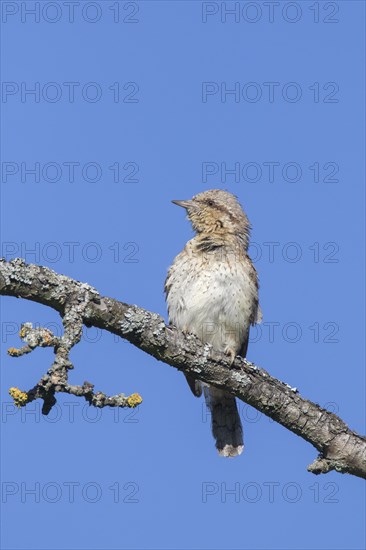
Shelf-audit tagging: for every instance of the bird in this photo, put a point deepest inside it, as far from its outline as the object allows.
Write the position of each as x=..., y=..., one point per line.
x=212, y=292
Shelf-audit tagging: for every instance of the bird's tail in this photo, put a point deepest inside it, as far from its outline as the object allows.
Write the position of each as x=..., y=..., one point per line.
x=226, y=425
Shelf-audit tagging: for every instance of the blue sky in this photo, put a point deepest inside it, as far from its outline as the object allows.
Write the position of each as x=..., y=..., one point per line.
x=135, y=104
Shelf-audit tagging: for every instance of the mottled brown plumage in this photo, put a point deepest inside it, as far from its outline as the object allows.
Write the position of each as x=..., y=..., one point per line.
x=212, y=292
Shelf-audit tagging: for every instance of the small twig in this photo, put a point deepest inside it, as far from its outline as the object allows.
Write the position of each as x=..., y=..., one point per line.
x=34, y=337
x=56, y=378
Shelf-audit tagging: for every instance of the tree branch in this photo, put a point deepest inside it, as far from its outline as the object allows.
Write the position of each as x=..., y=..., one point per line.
x=340, y=448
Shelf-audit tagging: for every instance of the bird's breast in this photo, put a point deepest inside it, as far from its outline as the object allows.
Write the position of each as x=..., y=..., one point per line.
x=211, y=297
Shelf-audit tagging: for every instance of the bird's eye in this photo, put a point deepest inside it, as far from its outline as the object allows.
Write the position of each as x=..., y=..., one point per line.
x=210, y=203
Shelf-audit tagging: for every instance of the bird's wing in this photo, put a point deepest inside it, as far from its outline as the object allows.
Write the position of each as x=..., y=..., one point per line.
x=257, y=315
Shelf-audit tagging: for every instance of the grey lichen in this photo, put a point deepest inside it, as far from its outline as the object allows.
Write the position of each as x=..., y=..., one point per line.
x=78, y=303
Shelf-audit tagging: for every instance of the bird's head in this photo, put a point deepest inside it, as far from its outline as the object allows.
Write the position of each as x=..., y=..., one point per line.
x=216, y=212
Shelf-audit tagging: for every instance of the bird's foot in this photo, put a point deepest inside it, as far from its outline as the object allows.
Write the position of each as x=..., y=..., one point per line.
x=231, y=354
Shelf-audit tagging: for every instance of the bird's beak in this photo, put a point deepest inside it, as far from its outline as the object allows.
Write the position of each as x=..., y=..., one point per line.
x=183, y=204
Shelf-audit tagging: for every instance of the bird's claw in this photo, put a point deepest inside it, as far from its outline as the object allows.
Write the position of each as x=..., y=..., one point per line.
x=231, y=354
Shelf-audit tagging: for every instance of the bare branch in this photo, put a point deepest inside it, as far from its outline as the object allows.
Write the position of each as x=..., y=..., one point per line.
x=340, y=448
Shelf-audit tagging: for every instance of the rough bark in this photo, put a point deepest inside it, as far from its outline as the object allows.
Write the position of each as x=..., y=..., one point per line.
x=340, y=448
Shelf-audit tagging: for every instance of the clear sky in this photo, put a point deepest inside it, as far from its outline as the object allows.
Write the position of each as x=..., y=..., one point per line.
x=131, y=107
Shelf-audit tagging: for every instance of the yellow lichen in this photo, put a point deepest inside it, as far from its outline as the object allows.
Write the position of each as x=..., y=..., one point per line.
x=47, y=337
x=23, y=332
x=14, y=352
x=134, y=399
x=20, y=397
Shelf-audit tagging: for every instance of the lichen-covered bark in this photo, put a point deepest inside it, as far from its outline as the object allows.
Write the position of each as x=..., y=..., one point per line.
x=340, y=448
